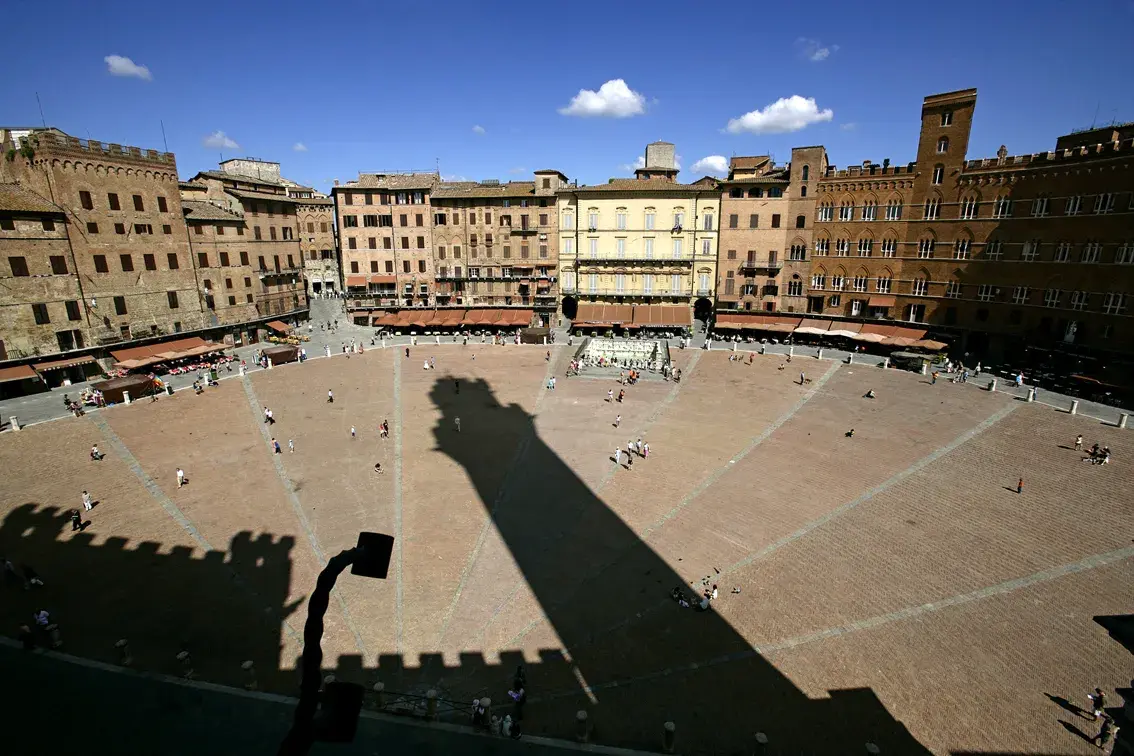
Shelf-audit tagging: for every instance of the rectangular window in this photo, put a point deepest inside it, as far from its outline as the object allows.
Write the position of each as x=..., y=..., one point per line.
x=171, y=260
x=953, y=290
x=92, y=227
x=354, y=266
x=993, y=250
x=58, y=265
x=272, y=232
x=39, y=311
x=1079, y=300
x=1104, y=203
x=678, y=219
x=120, y=228
x=19, y=266
x=243, y=258
x=146, y=228
x=1092, y=251
x=1051, y=297
x=352, y=243
x=733, y=220
x=920, y=287
x=202, y=259
x=969, y=208
x=677, y=248
x=1002, y=208
x=620, y=248
x=1020, y=295
x=938, y=174
x=884, y=284
x=986, y=293
x=775, y=220
x=837, y=283
x=1029, y=251
x=1114, y=303
x=112, y=199
x=406, y=266
x=171, y=298
x=127, y=263
x=1124, y=255
x=138, y=204
x=1039, y=207
x=421, y=266
x=889, y=247
x=100, y=264
x=818, y=281
x=168, y=229
x=1074, y=205
x=85, y=200
x=961, y=249
x=73, y=310
x=120, y=305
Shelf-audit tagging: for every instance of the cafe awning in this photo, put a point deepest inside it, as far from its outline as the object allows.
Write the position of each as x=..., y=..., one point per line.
x=661, y=316
x=17, y=373
x=278, y=326
x=604, y=314
x=142, y=352
x=354, y=282
x=383, y=279
x=881, y=300
x=43, y=367
x=518, y=317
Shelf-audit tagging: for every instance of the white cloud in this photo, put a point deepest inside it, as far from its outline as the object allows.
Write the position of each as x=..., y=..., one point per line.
x=220, y=141
x=478, y=129
x=120, y=66
x=785, y=115
x=851, y=126
x=517, y=170
x=454, y=177
x=299, y=147
x=631, y=167
x=814, y=50
x=715, y=164
x=613, y=100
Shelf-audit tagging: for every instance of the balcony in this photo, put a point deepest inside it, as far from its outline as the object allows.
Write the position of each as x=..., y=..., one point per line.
x=704, y=292
x=636, y=260
x=600, y=292
x=769, y=265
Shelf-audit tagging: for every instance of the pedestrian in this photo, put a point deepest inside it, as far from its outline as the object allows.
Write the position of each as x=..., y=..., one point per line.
x=519, y=697
x=638, y=447
x=456, y=386
x=385, y=429
x=802, y=378
x=1098, y=703
x=617, y=421
x=629, y=461
x=1020, y=486
x=553, y=380
x=933, y=378
x=88, y=504
x=1079, y=442
x=265, y=416
x=1106, y=733
x=330, y=397
x=645, y=451
x=548, y=357
x=618, y=455
x=629, y=448
x=271, y=418
x=96, y=455
x=352, y=435
x=457, y=423
x=621, y=378
x=378, y=467
x=291, y=446
x=610, y=395
x=76, y=520
x=432, y=363
x=180, y=477
x=407, y=353
x=621, y=394
x=276, y=446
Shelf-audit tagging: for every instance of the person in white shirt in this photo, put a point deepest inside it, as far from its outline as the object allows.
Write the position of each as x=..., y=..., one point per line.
x=88, y=504
x=180, y=477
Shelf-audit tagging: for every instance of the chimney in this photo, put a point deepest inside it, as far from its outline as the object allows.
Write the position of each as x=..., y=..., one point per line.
x=336, y=182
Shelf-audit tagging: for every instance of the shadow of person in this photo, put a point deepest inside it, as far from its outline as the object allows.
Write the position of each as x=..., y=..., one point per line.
x=643, y=658
x=1076, y=710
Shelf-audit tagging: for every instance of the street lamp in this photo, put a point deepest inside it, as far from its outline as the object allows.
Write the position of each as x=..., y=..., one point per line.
x=369, y=558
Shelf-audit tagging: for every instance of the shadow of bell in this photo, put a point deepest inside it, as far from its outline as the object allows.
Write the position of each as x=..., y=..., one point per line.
x=372, y=555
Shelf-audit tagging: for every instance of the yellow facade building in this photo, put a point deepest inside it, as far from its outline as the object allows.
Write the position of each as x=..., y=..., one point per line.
x=642, y=243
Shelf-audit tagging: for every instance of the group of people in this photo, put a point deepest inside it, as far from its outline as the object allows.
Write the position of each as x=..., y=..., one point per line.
x=633, y=448
x=509, y=725
x=628, y=377
x=736, y=357
x=1096, y=455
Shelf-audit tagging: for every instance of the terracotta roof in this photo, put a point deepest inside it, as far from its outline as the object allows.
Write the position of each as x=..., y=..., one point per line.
x=774, y=178
x=185, y=185
x=314, y=201
x=654, y=186
x=241, y=178
x=394, y=181
x=199, y=210
x=15, y=198
x=754, y=161
x=511, y=189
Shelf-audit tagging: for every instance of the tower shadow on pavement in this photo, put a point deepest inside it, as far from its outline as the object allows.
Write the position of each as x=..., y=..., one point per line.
x=645, y=659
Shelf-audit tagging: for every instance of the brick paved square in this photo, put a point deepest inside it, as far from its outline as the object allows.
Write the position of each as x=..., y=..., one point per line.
x=892, y=588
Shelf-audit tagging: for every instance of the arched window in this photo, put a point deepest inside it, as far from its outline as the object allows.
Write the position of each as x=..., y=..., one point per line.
x=926, y=246
x=938, y=174
x=920, y=287
x=894, y=208
x=970, y=207
x=890, y=245
x=826, y=211
x=620, y=218
x=803, y=191
x=842, y=247
x=866, y=245
x=942, y=145
x=806, y=172
x=846, y=210
x=592, y=218
x=933, y=207
x=756, y=193
x=885, y=281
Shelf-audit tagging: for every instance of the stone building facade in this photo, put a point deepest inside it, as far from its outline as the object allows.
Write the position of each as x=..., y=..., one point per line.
x=131, y=275
x=643, y=241
x=766, y=222
x=385, y=238
x=250, y=267
x=318, y=246
x=995, y=252
x=495, y=245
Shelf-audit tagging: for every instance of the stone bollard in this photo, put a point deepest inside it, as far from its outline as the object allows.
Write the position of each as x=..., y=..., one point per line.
x=819, y=353
x=124, y=651
x=886, y=364
x=379, y=694
x=1074, y=406
x=545, y=341
x=327, y=349
x=383, y=342
x=15, y=422
x=186, y=660
x=270, y=365
x=992, y=385
x=431, y=704
x=582, y=726
x=761, y=349
x=850, y=358
x=1122, y=418
x=734, y=346
x=669, y=737
x=924, y=368
x=873, y=749
x=791, y=350
x=761, y=744
x=126, y=397
x=250, y=669
x=413, y=340
x=1032, y=394
x=438, y=340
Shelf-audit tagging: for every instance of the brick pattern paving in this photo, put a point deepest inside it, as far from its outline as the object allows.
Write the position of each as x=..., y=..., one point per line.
x=889, y=581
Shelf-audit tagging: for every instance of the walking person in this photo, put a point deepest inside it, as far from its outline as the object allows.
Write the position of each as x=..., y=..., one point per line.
x=291, y=446
x=645, y=451
x=617, y=421
x=933, y=378
x=802, y=378
x=610, y=395
x=352, y=434
x=1020, y=486
x=1106, y=733
x=1098, y=703
x=276, y=447
x=180, y=477
x=330, y=397
x=618, y=455
x=1079, y=442
x=76, y=520
x=407, y=353
x=621, y=395
x=638, y=446
x=88, y=504
x=629, y=461
x=384, y=431
x=457, y=423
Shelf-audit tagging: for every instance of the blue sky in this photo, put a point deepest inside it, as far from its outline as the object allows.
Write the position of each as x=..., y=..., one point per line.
x=496, y=94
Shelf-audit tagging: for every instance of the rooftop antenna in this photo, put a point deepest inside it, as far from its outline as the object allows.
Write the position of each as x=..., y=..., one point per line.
x=1096, y=118
x=164, y=143
x=40, y=104
x=438, y=162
